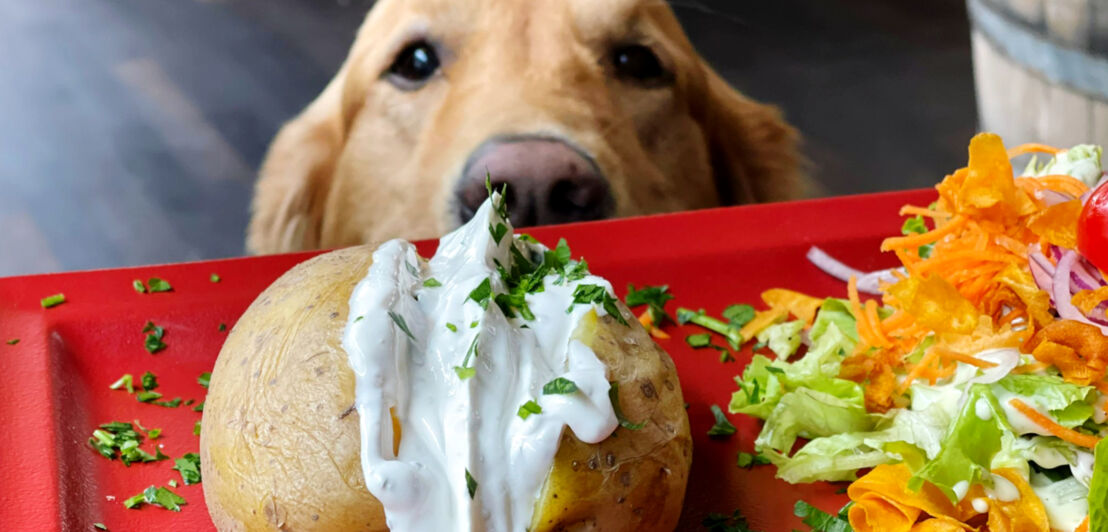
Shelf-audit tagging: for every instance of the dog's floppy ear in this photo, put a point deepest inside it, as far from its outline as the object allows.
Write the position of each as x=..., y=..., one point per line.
x=754, y=151
x=296, y=176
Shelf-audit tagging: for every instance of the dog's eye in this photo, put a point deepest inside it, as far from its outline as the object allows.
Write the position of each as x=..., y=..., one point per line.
x=638, y=63
x=415, y=63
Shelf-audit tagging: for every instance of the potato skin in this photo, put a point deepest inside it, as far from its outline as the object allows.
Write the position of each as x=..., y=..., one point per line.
x=279, y=442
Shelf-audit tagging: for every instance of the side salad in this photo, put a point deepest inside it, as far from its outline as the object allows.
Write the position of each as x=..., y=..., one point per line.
x=971, y=394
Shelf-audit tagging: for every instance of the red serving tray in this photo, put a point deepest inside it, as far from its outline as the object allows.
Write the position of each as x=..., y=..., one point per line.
x=54, y=388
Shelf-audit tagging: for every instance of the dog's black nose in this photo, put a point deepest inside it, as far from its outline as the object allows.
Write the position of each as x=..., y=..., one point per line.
x=549, y=182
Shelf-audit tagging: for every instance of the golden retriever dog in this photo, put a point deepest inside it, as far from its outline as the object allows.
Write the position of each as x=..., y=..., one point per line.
x=585, y=109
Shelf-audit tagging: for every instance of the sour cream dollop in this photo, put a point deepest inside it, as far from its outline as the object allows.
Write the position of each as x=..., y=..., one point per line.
x=455, y=369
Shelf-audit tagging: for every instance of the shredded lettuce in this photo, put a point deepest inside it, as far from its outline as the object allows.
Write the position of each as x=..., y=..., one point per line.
x=1081, y=161
x=837, y=312
x=1065, y=501
x=1098, y=490
x=1069, y=404
x=809, y=413
x=783, y=339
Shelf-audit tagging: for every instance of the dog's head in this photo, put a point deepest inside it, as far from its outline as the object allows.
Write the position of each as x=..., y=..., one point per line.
x=584, y=108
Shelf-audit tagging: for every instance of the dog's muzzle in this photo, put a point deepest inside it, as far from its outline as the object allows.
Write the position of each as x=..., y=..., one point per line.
x=548, y=181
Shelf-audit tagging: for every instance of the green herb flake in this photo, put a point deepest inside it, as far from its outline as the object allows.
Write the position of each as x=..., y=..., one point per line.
x=916, y=225
x=196, y=428
x=482, y=293
x=189, y=468
x=821, y=521
x=723, y=428
x=169, y=404
x=613, y=396
x=735, y=522
x=528, y=408
x=204, y=379
x=138, y=286
x=473, y=324
x=431, y=282
x=465, y=373
x=739, y=315
x=399, y=321
x=126, y=381
x=498, y=231
x=52, y=301
x=199, y=407
x=156, y=496
x=13, y=341
x=471, y=484
x=159, y=285
x=118, y=439
x=172, y=483
x=149, y=381
x=215, y=278
x=100, y=526
x=559, y=386
x=148, y=397
x=724, y=355
x=154, y=335
x=727, y=329
x=222, y=327
x=698, y=341
x=655, y=297
x=748, y=460
x=153, y=434
x=597, y=294
x=452, y=327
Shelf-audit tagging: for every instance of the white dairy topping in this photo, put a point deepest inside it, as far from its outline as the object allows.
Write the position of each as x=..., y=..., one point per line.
x=1066, y=501
x=1004, y=490
x=980, y=505
x=983, y=409
x=452, y=427
x=960, y=489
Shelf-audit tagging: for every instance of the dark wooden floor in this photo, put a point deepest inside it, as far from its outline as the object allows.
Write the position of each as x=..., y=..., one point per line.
x=130, y=130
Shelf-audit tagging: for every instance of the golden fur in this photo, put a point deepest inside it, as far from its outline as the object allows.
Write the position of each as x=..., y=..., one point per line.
x=367, y=161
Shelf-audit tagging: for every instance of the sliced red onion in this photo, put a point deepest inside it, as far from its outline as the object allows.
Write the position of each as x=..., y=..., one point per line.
x=868, y=282
x=1062, y=292
x=1052, y=197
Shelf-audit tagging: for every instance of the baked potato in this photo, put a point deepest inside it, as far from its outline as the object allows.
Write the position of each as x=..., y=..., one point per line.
x=280, y=436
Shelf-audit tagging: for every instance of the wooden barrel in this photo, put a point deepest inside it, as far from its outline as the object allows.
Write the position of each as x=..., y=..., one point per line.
x=1041, y=69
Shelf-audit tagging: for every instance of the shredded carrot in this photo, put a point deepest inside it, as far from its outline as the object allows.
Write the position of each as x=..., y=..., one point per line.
x=930, y=356
x=874, y=323
x=648, y=323
x=912, y=210
x=962, y=357
x=1102, y=386
x=1084, y=526
x=917, y=240
x=1032, y=147
x=865, y=331
x=1064, y=183
x=1070, y=435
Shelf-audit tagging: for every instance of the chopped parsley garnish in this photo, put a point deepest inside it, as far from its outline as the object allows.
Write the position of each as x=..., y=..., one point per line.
x=654, y=296
x=473, y=324
x=222, y=327
x=726, y=523
x=723, y=428
x=466, y=371
x=100, y=526
x=758, y=346
x=498, y=231
x=739, y=315
x=471, y=484
x=138, y=286
x=748, y=460
x=189, y=468
x=147, y=397
x=613, y=395
x=172, y=483
x=431, y=282
x=821, y=521
x=153, y=434
x=158, y=285
x=699, y=340
x=482, y=293
x=156, y=496
x=699, y=317
x=196, y=428
x=126, y=381
x=154, y=336
x=149, y=381
x=452, y=327
x=597, y=294
x=528, y=408
x=204, y=379
x=199, y=407
x=215, y=278
x=13, y=341
x=559, y=386
x=121, y=437
x=359, y=318
x=52, y=301
x=399, y=321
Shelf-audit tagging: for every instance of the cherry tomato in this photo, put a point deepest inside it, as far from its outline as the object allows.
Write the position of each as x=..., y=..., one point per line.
x=1092, y=228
